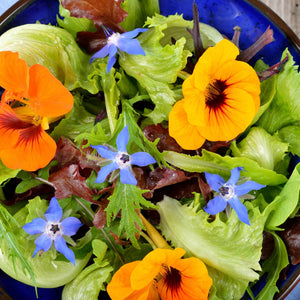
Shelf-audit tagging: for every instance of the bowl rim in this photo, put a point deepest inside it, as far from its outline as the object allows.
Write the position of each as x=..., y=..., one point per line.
x=20, y=5
x=268, y=12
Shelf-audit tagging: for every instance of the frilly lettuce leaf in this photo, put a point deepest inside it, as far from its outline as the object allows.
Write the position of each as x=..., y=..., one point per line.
x=157, y=70
x=222, y=165
x=138, y=11
x=76, y=122
x=285, y=107
x=6, y=173
x=286, y=202
x=54, y=48
x=291, y=135
x=267, y=150
x=177, y=28
x=48, y=271
x=73, y=24
x=89, y=283
x=230, y=247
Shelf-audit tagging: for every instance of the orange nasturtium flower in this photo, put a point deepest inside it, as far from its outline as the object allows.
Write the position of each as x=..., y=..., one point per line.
x=221, y=98
x=162, y=274
x=32, y=98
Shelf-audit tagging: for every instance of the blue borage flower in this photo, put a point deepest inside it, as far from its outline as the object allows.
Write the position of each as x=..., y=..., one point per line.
x=121, y=160
x=52, y=230
x=125, y=42
x=229, y=193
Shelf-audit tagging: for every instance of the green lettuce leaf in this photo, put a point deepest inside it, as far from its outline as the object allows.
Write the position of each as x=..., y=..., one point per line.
x=138, y=11
x=222, y=165
x=267, y=150
x=230, y=247
x=49, y=271
x=177, y=28
x=284, y=109
x=6, y=173
x=285, y=203
x=54, y=48
x=73, y=24
x=157, y=70
x=89, y=283
x=273, y=266
x=76, y=122
x=291, y=135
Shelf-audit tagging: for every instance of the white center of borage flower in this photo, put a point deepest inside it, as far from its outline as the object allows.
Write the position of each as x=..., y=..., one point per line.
x=227, y=191
x=123, y=160
x=53, y=229
x=114, y=38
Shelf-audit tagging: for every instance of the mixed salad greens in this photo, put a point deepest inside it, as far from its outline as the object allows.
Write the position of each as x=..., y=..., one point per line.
x=119, y=125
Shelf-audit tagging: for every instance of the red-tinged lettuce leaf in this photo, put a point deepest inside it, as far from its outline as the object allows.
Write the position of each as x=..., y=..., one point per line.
x=106, y=12
x=91, y=41
x=100, y=218
x=67, y=154
x=68, y=181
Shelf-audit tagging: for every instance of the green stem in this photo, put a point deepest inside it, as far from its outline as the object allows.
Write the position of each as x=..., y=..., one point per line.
x=2, y=196
x=183, y=75
x=92, y=215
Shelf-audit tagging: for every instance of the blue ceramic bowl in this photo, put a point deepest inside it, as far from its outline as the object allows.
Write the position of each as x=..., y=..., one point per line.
x=251, y=15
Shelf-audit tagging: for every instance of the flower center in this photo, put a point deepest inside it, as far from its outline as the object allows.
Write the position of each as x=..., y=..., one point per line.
x=214, y=94
x=172, y=278
x=123, y=160
x=114, y=38
x=226, y=191
x=53, y=229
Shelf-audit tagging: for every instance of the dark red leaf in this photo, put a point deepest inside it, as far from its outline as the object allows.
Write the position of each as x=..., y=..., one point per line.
x=107, y=12
x=68, y=181
x=100, y=218
x=91, y=41
x=152, y=132
x=67, y=154
x=291, y=238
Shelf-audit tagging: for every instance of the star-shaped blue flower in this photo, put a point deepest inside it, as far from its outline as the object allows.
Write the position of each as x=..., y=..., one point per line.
x=52, y=230
x=122, y=160
x=229, y=193
x=125, y=42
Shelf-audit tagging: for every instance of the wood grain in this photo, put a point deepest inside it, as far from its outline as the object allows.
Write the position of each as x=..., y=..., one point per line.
x=288, y=10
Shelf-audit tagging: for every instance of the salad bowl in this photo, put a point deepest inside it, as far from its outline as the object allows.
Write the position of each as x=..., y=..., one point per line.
x=253, y=17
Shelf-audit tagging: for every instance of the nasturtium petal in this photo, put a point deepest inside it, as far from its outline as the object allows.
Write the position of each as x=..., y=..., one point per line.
x=48, y=96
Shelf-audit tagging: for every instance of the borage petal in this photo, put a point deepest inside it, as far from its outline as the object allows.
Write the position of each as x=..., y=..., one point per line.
x=61, y=246
x=105, y=171
x=101, y=53
x=235, y=175
x=126, y=177
x=246, y=187
x=112, y=57
x=240, y=209
x=142, y=159
x=132, y=47
x=215, y=205
x=133, y=33
x=36, y=226
x=122, y=139
x=33, y=142
x=105, y=152
x=43, y=242
x=70, y=226
x=54, y=211
x=214, y=181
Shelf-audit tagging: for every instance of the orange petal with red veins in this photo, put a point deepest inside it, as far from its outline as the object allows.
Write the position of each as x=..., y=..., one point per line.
x=48, y=96
x=194, y=283
x=14, y=73
x=185, y=134
x=10, y=125
x=119, y=287
x=151, y=265
x=34, y=150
